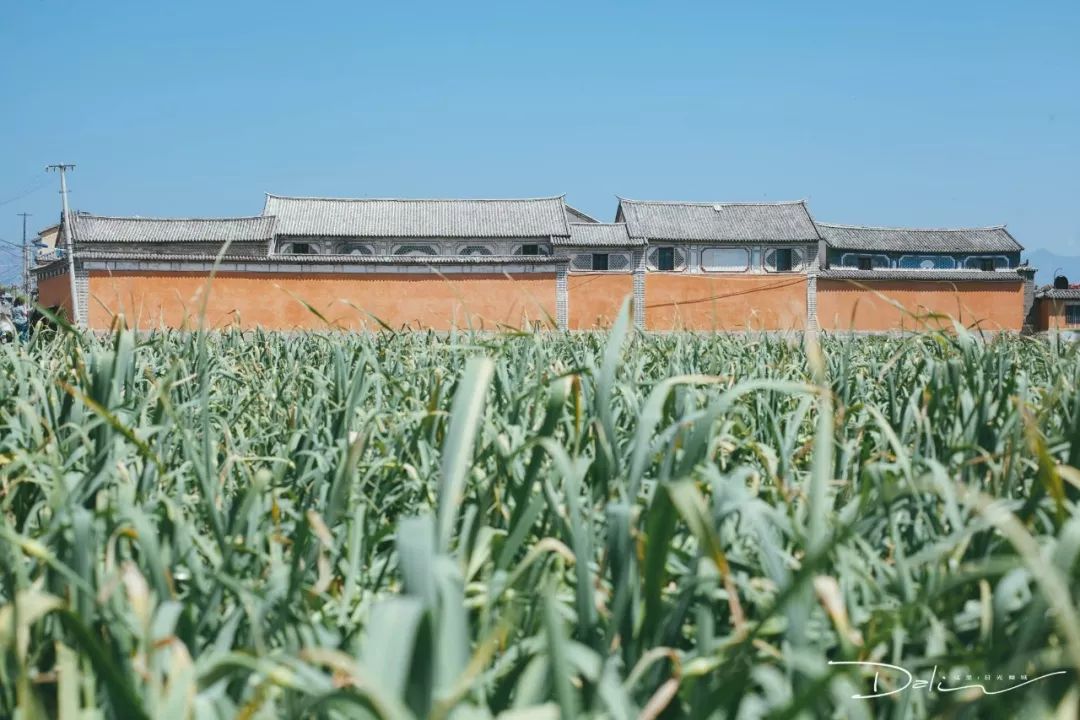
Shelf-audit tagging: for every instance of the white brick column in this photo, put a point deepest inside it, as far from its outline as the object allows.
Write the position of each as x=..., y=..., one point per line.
x=562, y=299
x=811, y=289
x=638, y=261
x=82, y=288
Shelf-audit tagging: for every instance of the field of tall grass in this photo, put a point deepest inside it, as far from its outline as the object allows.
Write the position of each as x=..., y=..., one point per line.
x=533, y=526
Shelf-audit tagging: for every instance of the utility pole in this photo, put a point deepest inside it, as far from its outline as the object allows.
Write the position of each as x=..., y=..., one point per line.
x=65, y=229
x=25, y=257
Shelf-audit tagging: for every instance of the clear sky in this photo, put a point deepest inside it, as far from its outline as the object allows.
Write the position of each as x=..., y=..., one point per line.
x=918, y=113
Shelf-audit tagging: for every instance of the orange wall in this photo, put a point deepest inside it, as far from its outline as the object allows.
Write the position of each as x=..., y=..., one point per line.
x=676, y=301
x=595, y=298
x=844, y=306
x=273, y=301
x=55, y=292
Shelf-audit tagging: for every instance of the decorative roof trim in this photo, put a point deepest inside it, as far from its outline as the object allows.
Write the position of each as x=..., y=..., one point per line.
x=333, y=259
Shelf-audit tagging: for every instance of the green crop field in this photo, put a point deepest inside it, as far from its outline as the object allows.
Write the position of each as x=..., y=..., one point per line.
x=528, y=526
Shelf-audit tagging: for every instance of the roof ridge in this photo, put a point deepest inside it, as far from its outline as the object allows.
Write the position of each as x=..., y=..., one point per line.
x=570, y=208
x=385, y=199
x=909, y=229
x=701, y=203
x=171, y=219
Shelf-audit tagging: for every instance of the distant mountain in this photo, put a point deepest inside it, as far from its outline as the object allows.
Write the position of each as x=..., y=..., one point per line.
x=1049, y=263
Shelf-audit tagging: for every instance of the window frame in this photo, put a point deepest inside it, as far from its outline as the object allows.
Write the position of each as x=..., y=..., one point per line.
x=1075, y=308
x=415, y=250
x=665, y=252
x=741, y=269
x=789, y=255
x=864, y=262
x=975, y=262
x=606, y=262
x=878, y=261
x=941, y=262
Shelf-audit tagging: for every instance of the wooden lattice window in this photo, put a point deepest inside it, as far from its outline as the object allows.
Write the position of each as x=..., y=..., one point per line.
x=678, y=258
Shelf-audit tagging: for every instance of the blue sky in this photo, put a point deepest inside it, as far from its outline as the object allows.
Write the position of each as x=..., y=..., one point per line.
x=919, y=113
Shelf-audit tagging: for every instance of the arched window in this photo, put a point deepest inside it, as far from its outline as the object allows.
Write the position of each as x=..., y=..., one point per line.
x=415, y=250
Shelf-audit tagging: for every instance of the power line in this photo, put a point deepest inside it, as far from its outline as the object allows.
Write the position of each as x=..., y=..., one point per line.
x=31, y=191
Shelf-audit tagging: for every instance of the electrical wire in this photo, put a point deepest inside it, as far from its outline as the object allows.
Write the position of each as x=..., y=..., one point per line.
x=31, y=191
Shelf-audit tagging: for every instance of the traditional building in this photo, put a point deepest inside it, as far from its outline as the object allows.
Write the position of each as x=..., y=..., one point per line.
x=489, y=264
x=1057, y=307
x=876, y=279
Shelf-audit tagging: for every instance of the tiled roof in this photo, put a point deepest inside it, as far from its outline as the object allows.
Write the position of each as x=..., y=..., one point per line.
x=780, y=222
x=601, y=235
x=576, y=216
x=334, y=259
x=854, y=237
x=98, y=228
x=538, y=217
x=1051, y=293
x=897, y=274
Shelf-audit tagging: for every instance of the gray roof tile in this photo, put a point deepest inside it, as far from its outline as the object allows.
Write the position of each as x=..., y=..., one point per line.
x=1052, y=293
x=98, y=228
x=721, y=222
x=600, y=235
x=964, y=240
x=331, y=217
x=897, y=274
